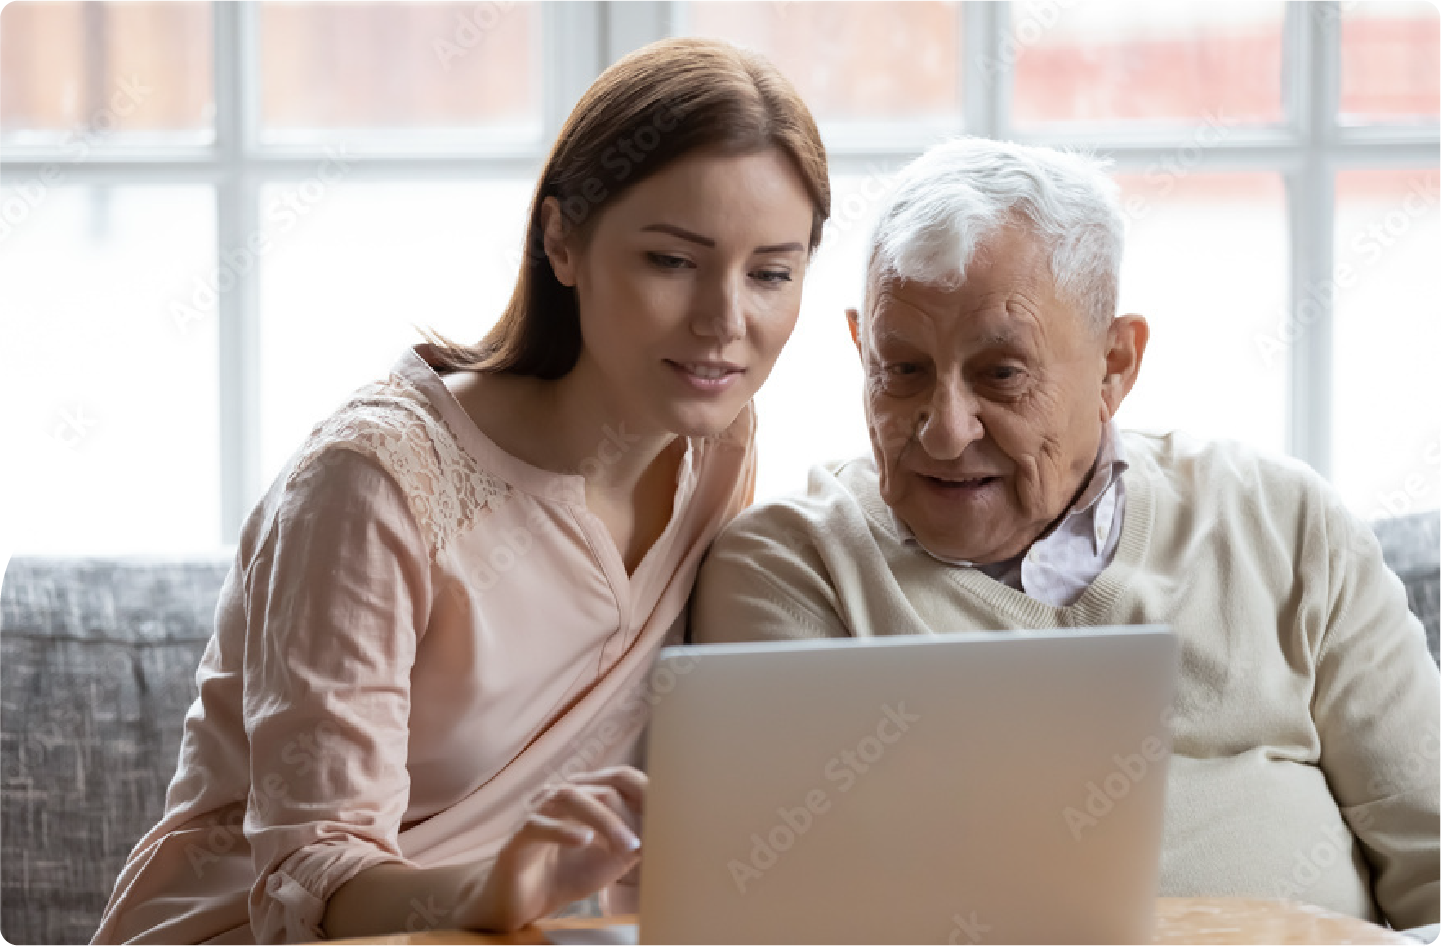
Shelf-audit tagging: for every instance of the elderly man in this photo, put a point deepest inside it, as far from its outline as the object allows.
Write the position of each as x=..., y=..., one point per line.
x=1001, y=495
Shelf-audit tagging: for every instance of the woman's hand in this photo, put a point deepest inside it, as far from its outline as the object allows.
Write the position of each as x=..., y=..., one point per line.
x=582, y=836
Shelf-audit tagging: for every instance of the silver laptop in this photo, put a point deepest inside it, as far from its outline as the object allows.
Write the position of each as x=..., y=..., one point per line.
x=976, y=788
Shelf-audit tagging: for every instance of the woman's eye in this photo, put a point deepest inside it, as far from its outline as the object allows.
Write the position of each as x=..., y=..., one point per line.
x=773, y=276
x=666, y=261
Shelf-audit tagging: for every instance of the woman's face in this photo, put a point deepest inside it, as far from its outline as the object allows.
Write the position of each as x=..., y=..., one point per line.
x=688, y=288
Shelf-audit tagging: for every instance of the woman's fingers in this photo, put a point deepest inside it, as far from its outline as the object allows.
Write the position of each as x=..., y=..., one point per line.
x=568, y=833
x=598, y=807
x=629, y=782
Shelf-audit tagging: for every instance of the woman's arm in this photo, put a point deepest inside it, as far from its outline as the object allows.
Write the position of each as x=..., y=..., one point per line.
x=394, y=898
x=583, y=836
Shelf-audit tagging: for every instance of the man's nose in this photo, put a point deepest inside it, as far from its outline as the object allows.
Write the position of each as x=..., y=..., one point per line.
x=719, y=313
x=950, y=422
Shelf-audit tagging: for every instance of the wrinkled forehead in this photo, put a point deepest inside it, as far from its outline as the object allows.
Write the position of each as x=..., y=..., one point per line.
x=929, y=316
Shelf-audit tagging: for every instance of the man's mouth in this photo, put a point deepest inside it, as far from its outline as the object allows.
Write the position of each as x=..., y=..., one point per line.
x=973, y=482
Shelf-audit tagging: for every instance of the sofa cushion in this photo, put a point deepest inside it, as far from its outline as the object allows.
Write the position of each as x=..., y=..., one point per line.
x=1412, y=547
x=98, y=661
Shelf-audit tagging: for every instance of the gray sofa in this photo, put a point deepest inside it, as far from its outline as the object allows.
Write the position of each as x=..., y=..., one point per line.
x=97, y=664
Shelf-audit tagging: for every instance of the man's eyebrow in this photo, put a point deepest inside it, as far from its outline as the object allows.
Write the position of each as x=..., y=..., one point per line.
x=890, y=336
x=708, y=243
x=1007, y=337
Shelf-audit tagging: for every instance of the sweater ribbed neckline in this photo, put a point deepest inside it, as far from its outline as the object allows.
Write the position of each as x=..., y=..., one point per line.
x=1097, y=604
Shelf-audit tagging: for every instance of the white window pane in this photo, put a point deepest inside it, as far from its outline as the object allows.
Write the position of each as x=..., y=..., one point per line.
x=1206, y=264
x=394, y=65
x=1388, y=336
x=81, y=76
x=1107, y=61
x=108, y=373
x=1390, y=61
x=851, y=60
x=343, y=285
x=810, y=409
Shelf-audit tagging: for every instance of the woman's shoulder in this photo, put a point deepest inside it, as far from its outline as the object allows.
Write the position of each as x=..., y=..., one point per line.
x=396, y=426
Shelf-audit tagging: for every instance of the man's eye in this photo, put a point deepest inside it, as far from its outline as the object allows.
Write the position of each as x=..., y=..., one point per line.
x=666, y=261
x=902, y=369
x=1006, y=374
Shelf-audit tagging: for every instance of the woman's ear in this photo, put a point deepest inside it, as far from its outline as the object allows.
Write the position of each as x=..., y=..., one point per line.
x=557, y=247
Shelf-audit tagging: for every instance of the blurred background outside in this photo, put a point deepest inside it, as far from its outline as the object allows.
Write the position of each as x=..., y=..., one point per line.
x=1278, y=163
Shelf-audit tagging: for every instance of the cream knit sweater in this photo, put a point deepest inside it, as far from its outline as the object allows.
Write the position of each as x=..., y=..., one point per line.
x=1306, y=719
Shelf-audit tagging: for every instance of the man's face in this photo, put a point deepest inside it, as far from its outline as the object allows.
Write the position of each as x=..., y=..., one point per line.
x=985, y=402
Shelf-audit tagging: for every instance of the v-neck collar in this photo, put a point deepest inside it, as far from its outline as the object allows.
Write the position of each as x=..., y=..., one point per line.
x=567, y=489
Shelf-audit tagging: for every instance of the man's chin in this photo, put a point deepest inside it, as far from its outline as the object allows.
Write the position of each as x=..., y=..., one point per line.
x=960, y=546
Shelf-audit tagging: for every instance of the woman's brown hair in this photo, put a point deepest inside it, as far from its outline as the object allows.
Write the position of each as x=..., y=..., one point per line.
x=656, y=105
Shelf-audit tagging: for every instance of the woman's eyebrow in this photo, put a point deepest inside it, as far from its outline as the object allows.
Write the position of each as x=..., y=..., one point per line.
x=708, y=243
x=780, y=248
x=681, y=232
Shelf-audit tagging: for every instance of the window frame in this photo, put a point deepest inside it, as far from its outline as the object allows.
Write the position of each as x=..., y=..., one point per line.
x=578, y=39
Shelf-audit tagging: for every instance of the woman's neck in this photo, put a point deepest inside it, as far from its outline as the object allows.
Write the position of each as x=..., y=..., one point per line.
x=609, y=445
x=570, y=425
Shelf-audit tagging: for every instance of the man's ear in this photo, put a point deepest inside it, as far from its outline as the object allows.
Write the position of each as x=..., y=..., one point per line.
x=1126, y=340
x=557, y=248
x=853, y=320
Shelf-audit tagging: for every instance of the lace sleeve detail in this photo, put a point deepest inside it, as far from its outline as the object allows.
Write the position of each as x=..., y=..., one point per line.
x=394, y=423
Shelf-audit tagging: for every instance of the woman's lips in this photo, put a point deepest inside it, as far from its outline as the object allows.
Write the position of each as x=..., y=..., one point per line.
x=706, y=377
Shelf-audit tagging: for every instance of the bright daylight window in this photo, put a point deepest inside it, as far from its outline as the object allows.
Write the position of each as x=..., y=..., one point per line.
x=216, y=220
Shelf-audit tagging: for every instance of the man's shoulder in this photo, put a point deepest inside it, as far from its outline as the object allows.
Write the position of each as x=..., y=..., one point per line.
x=1214, y=462
x=839, y=497
x=1237, y=482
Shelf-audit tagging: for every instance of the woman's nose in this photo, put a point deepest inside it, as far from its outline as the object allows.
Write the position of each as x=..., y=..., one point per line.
x=720, y=314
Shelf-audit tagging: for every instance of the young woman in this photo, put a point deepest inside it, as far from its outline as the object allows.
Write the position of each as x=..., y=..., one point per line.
x=428, y=670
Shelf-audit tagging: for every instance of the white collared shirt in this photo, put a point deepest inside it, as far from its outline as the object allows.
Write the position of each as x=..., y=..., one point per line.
x=1059, y=568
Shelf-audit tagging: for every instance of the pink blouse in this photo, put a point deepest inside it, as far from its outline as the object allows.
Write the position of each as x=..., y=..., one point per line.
x=419, y=632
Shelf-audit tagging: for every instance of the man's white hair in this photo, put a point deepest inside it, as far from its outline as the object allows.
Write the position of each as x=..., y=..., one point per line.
x=950, y=200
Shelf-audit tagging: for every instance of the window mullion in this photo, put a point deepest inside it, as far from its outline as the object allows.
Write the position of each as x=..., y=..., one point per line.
x=635, y=23
x=237, y=273
x=985, y=67
x=1314, y=78
x=573, y=41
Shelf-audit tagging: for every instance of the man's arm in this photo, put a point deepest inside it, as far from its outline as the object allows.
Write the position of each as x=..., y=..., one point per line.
x=1378, y=710
x=764, y=579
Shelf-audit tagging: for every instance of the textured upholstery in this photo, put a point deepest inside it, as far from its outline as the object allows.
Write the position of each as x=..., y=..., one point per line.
x=1412, y=546
x=97, y=667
